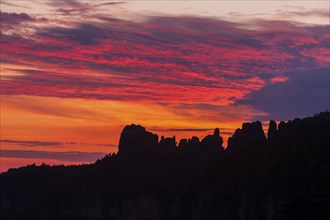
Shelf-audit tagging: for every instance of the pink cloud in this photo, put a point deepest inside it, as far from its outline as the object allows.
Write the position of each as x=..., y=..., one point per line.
x=279, y=79
x=182, y=59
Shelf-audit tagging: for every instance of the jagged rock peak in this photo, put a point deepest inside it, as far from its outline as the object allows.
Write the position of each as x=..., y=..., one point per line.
x=183, y=143
x=133, y=129
x=272, y=130
x=167, y=142
x=194, y=141
x=253, y=130
x=210, y=143
x=213, y=142
x=216, y=132
x=250, y=133
x=135, y=138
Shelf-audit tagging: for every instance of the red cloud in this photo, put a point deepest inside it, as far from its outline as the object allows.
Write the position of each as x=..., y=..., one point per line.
x=181, y=59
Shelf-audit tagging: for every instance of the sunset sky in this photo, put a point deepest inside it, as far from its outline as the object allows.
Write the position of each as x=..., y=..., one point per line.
x=74, y=73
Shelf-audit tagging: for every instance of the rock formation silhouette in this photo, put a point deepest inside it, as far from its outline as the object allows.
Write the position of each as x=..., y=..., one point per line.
x=135, y=139
x=213, y=143
x=249, y=134
x=272, y=130
x=283, y=177
x=168, y=143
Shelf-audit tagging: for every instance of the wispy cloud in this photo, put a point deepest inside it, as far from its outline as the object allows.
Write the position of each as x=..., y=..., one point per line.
x=185, y=129
x=108, y=145
x=322, y=13
x=188, y=59
x=109, y=3
x=69, y=156
x=15, y=18
x=35, y=143
x=180, y=129
x=82, y=8
x=13, y=5
x=67, y=3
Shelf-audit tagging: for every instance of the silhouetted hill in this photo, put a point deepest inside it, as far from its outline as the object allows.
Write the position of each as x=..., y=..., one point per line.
x=283, y=177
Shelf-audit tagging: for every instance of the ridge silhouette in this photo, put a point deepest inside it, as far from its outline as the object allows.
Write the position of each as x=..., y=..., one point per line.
x=283, y=176
x=135, y=140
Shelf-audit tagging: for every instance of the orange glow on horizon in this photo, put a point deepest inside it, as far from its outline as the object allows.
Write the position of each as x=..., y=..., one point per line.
x=94, y=125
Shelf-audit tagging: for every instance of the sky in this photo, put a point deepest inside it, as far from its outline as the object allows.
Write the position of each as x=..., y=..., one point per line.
x=74, y=73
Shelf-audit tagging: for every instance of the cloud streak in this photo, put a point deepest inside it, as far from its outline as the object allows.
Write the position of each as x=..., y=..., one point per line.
x=37, y=143
x=70, y=156
x=185, y=57
x=322, y=13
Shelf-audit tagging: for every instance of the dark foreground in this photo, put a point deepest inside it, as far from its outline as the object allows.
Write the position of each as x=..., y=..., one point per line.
x=284, y=177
